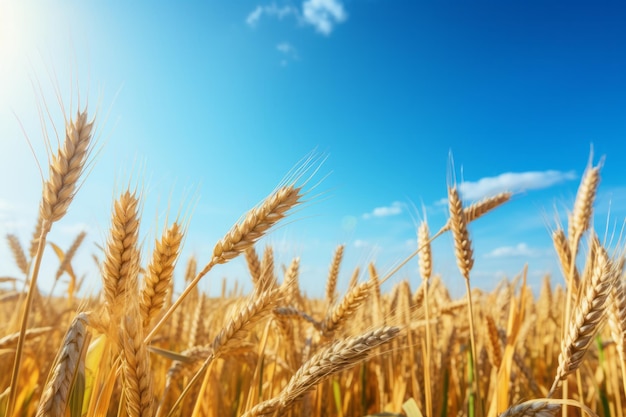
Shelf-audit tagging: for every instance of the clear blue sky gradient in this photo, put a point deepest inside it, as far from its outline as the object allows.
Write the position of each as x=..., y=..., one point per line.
x=207, y=105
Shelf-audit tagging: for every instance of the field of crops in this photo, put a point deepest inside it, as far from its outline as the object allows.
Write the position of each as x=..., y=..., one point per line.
x=142, y=349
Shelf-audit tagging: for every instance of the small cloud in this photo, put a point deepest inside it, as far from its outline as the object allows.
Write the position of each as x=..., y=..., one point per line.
x=289, y=52
x=361, y=244
x=394, y=209
x=323, y=14
x=286, y=48
x=514, y=182
x=271, y=10
x=521, y=249
x=254, y=16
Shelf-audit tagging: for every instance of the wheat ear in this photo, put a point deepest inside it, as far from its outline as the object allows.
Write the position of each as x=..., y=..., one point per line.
x=563, y=251
x=56, y=393
x=586, y=318
x=121, y=262
x=291, y=285
x=337, y=357
x=159, y=274
x=482, y=207
x=267, y=278
x=18, y=253
x=137, y=373
x=248, y=314
x=10, y=340
x=254, y=264
x=339, y=314
x=65, y=169
x=255, y=224
x=580, y=217
x=533, y=408
x=333, y=275
x=69, y=255
x=59, y=189
x=617, y=318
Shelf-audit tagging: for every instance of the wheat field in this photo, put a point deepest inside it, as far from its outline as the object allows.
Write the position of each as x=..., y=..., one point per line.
x=140, y=348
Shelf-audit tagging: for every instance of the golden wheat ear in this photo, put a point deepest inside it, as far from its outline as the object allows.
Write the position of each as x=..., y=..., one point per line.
x=586, y=317
x=138, y=383
x=18, y=253
x=337, y=357
x=580, y=218
x=158, y=277
x=66, y=168
x=534, y=408
x=62, y=376
x=242, y=236
x=480, y=208
x=333, y=275
x=120, y=266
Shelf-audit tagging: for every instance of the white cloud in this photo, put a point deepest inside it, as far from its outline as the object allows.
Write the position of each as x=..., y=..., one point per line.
x=285, y=48
x=289, y=52
x=514, y=182
x=271, y=10
x=361, y=243
x=392, y=210
x=521, y=249
x=323, y=15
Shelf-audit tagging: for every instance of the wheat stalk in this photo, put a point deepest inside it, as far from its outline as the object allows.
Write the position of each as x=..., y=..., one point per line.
x=242, y=236
x=335, y=358
x=586, y=318
x=247, y=315
x=58, y=192
x=34, y=242
x=425, y=262
x=465, y=262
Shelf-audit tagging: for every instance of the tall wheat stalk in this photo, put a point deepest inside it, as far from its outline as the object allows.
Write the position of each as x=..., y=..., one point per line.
x=465, y=262
x=65, y=170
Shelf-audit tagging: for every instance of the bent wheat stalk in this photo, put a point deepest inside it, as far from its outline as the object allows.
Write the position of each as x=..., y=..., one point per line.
x=586, y=318
x=337, y=357
x=241, y=236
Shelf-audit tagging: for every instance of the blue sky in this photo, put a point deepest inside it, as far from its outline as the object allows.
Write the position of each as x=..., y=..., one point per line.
x=207, y=105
